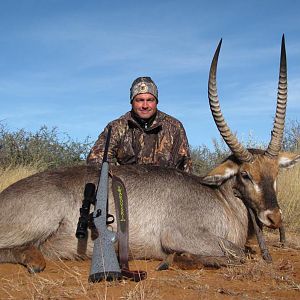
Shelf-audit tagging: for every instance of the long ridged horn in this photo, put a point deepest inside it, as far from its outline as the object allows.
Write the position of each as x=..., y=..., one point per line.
x=278, y=128
x=241, y=153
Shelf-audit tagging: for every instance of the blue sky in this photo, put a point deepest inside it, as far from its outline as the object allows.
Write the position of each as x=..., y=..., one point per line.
x=70, y=63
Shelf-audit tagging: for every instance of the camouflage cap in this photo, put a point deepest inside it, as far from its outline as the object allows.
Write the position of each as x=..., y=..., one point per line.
x=143, y=85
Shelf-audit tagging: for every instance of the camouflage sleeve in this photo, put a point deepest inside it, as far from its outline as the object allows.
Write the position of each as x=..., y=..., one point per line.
x=96, y=154
x=182, y=156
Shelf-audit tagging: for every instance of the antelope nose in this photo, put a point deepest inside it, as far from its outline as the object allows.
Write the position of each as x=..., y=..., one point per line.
x=274, y=218
x=271, y=217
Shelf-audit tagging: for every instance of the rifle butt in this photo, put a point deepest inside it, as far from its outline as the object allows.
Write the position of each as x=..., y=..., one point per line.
x=107, y=276
x=105, y=265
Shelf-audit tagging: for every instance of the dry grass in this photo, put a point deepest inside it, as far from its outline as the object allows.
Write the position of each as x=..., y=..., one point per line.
x=12, y=174
x=65, y=282
x=280, y=274
x=22, y=285
x=289, y=197
x=144, y=290
x=186, y=280
x=68, y=280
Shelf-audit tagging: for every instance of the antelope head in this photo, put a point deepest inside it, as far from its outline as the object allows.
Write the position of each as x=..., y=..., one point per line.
x=255, y=170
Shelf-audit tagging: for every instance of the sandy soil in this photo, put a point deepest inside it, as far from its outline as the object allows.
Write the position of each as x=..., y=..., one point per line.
x=253, y=280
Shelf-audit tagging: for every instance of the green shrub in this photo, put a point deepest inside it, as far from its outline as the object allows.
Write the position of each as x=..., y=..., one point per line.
x=205, y=159
x=46, y=147
x=291, y=140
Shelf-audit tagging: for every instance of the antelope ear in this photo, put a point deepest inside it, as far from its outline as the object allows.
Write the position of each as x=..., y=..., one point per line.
x=288, y=159
x=221, y=173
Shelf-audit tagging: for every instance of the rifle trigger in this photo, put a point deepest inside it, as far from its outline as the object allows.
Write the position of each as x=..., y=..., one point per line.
x=108, y=222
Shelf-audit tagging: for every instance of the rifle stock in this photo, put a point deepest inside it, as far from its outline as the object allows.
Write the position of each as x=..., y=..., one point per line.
x=105, y=264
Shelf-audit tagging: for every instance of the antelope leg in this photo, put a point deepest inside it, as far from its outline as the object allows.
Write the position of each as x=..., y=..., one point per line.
x=282, y=234
x=260, y=239
x=165, y=264
x=31, y=258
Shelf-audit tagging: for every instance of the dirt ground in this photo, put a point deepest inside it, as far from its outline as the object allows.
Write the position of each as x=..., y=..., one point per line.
x=253, y=280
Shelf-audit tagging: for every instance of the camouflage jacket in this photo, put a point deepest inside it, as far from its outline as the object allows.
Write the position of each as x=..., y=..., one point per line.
x=164, y=143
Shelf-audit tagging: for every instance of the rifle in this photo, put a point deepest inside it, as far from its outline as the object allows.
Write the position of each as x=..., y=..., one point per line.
x=104, y=264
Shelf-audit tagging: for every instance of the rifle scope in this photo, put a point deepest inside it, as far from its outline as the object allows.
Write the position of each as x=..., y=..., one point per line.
x=83, y=221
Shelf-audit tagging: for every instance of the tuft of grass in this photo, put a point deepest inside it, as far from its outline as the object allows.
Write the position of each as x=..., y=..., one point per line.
x=279, y=274
x=11, y=174
x=289, y=197
x=186, y=280
x=143, y=290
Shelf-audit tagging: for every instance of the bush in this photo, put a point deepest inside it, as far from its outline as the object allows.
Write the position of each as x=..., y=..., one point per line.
x=205, y=159
x=291, y=140
x=46, y=148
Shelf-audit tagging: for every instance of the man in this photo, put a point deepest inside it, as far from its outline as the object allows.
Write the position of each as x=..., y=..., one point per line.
x=144, y=135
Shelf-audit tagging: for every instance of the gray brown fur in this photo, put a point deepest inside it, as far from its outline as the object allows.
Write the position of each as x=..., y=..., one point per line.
x=43, y=210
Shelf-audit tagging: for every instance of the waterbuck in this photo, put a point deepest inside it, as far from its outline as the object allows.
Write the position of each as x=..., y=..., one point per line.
x=170, y=211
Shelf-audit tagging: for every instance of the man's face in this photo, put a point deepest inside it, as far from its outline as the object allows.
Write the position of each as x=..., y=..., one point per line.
x=144, y=105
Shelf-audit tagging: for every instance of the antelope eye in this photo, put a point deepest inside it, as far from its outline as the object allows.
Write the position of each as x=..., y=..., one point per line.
x=245, y=175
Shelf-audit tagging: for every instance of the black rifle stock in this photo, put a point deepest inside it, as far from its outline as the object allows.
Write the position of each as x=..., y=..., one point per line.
x=105, y=264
